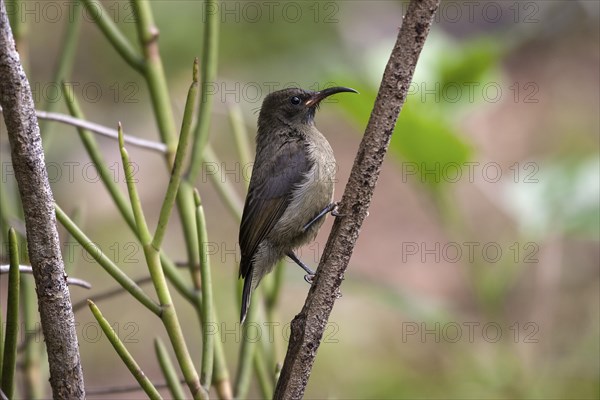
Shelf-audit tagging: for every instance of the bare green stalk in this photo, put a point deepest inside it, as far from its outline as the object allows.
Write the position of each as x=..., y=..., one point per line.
x=102, y=17
x=134, y=197
x=224, y=188
x=168, y=369
x=93, y=150
x=9, y=360
x=121, y=350
x=118, y=197
x=272, y=297
x=71, y=261
x=208, y=70
x=208, y=320
x=35, y=375
x=172, y=189
x=185, y=206
x=240, y=135
x=17, y=22
x=66, y=58
x=155, y=75
x=113, y=270
x=168, y=316
x=247, y=351
x=265, y=379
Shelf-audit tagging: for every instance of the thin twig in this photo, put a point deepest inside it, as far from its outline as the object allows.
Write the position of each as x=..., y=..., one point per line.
x=101, y=130
x=26, y=269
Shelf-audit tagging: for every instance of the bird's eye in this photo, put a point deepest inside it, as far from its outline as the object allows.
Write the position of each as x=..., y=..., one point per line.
x=295, y=100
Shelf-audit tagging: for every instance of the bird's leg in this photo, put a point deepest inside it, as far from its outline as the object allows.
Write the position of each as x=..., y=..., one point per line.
x=331, y=208
x=310, y=273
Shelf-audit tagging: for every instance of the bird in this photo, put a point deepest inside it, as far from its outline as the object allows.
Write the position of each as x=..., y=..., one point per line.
x=291, y=186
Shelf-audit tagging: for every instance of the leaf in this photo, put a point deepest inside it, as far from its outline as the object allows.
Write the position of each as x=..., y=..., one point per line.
x=431, y=150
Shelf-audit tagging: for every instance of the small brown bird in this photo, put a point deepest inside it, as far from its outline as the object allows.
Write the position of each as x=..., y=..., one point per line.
x=291, y=188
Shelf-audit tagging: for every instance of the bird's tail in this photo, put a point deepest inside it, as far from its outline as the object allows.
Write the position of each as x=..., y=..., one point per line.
x=246, y=296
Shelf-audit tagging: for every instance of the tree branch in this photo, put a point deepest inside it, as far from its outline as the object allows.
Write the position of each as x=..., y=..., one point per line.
x=307, y=327
x=56, y=313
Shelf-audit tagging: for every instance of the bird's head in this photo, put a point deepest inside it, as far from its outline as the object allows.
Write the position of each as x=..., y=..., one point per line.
x=294, y=105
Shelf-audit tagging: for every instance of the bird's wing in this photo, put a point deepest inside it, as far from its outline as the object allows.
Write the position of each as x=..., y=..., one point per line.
x=270, y=193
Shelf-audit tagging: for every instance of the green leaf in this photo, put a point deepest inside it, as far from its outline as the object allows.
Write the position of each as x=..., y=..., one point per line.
x=431, y=150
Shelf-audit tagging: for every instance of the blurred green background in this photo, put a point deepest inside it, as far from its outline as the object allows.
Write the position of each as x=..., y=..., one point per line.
x=476, y=274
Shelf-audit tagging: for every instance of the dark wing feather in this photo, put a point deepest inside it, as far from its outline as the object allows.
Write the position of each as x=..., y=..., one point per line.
x=270, y=193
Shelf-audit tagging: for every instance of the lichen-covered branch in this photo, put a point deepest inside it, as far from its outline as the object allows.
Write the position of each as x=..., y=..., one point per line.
x=54, y=302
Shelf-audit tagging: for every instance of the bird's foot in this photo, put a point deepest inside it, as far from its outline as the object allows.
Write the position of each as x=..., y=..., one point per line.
x=336, y=210
x=338, y=294
x=309, y=278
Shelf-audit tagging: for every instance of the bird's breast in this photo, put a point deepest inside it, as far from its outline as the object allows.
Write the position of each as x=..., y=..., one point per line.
x=311, y=195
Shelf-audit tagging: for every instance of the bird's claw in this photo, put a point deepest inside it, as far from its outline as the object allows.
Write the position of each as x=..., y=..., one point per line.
x=309, y=278
x=338, y=294
x=336, y=210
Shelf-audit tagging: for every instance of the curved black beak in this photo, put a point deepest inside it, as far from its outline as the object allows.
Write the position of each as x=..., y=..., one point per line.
x=320, y=95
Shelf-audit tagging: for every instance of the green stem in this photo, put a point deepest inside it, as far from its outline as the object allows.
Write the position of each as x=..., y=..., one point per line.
x=155, y=75
x=265, y=381
x=107, y=177
x=34, y=376
x=93, y=150
x=121, y=350
x=134, y=197
x=126, y=282
x=208, y=320
x=272, y=297
x=210, y=48
x=240, y=135
x=70, y=260
x=168, y=369
x=185, y=205
x=12, y=318
x=66, y=59
x=172, y=189
x=224, y=188
x=247, y=350
x=152, y=255
x=102, y=17
x=220, y=378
